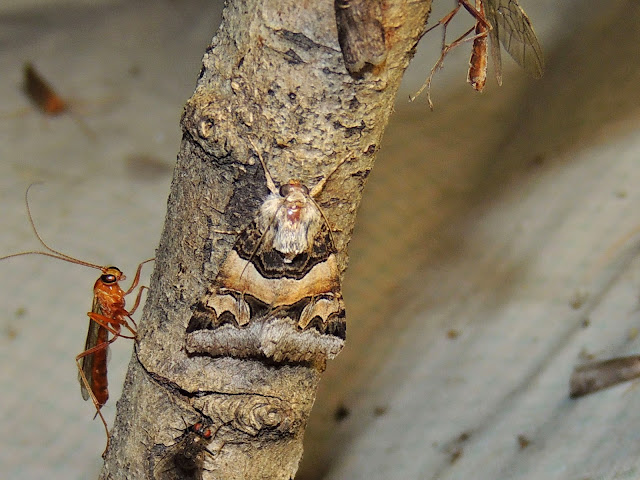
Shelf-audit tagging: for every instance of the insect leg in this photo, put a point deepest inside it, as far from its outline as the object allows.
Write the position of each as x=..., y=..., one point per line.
x=136, y=279
x=107, y=322
x=87, y=386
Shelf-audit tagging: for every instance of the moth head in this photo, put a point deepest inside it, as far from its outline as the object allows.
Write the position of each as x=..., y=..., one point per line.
x=291, y=187
x=289, y=220
x=295, y=197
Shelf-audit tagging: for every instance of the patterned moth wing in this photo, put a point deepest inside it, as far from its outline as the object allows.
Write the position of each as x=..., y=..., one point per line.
x=277, y=294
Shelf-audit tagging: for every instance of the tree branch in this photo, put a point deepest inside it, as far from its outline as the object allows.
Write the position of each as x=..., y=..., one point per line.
x=273, y=85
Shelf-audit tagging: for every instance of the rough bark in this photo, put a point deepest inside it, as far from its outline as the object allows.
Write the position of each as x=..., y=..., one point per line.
x=274, y=76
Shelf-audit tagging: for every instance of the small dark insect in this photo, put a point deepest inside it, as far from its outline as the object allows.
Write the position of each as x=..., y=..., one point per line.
x=455, y=448
x=455, y=455
x=184, y=460
x=341, y=413
x=41, y=93
x=453, y=333
x=504, y=22
x=380, y=410
x=594, y=376
x=523, y=441
x=107, y=315
x=47, y=100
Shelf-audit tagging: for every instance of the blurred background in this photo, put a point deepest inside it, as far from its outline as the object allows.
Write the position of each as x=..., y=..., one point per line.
x=493, y=251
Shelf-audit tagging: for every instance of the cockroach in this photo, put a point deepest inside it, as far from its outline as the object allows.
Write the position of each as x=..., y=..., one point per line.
x=108, y=315
x=595, y=376
x=504, y=22
x=47, y=100
x=184, y=460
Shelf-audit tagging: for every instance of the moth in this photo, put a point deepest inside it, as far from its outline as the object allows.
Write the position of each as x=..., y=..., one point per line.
x=184, y=460
x=277, y=294
x=503, y=22
x=361, y=34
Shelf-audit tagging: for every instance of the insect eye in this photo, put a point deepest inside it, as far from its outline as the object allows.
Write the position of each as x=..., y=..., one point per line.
x=207, y=434
x=285, y=189
x=108, y=278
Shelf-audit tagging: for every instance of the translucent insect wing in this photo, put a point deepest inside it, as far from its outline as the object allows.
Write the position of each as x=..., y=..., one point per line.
x=513, y=28
x=92, y=340
x=492, y=17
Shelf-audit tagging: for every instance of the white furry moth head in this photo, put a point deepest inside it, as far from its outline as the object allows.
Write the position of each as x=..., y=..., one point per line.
x=290, y=220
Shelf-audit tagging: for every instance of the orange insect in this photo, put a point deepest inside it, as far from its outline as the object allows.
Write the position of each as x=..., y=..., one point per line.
x=504, y=22
x=47, y=100
x=108, y=315
x=41, y=93
x=479, y=60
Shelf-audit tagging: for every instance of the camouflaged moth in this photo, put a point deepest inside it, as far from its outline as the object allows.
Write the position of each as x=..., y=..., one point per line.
x=277, y=294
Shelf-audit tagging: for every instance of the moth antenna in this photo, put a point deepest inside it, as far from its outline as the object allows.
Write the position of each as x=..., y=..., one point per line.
x=320, y=185
x=53, y=252
x=315, y=191
x=326, y=220
x=270, y=183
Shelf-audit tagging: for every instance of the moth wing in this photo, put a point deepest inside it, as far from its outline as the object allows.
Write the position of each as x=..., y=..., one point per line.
x=210, y=310
x=324, y=309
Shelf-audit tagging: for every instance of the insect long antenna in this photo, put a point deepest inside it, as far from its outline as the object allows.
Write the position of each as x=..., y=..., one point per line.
x=326, y=221
x=270, y=183
x=315, y=191
x=53, y=253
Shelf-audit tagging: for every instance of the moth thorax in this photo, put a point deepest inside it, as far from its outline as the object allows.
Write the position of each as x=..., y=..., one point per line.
x=292, y=222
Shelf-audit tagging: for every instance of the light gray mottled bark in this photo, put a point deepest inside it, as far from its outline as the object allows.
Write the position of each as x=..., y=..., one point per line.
x=274, y=74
